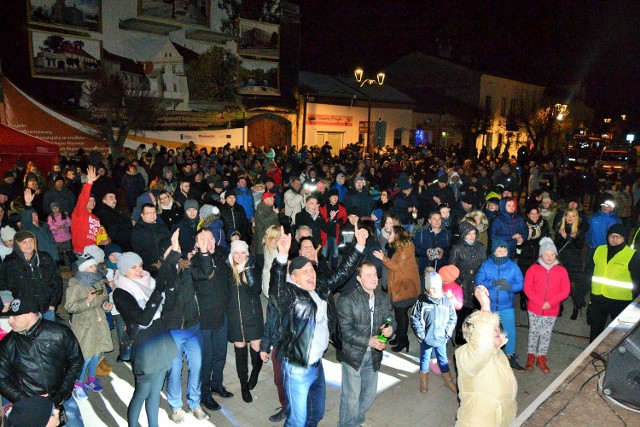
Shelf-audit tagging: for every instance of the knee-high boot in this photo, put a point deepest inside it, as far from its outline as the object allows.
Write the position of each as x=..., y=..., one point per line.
x=256, y=366
x=242, y=368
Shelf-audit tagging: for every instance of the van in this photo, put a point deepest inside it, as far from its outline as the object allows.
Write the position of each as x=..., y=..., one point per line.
x=617, y=157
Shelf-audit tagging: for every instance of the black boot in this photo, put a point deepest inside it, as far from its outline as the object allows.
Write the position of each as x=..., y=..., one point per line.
x=242, y=368
x=256, y=366
x=523, y=301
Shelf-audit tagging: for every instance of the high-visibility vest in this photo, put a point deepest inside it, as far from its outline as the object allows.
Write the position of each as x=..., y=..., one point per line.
x=612, y=279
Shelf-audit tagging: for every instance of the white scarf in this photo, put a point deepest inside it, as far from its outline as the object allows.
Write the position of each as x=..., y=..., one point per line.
x=140, y=289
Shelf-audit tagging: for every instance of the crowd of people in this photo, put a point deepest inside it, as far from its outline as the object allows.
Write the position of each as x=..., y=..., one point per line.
x=180, y=251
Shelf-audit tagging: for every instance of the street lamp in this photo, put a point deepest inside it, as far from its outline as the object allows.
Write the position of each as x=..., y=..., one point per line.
x=561, y=110
x=378, y=81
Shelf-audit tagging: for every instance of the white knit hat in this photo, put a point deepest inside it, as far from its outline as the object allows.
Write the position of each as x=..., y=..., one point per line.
x=546, y=244
x=7, y=233
x=128, y=260
x=95, y=251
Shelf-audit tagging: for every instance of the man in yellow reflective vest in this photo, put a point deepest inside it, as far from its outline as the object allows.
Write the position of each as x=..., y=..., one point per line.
x=615, y=279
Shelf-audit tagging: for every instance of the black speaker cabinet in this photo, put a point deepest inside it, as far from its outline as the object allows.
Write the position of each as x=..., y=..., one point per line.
x=622, y=379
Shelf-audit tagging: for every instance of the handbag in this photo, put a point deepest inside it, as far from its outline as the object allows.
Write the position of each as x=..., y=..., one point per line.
x=153, y=348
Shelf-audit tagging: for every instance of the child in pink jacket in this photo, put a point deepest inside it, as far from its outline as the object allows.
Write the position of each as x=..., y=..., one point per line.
x=60, y=226
x=546, y=285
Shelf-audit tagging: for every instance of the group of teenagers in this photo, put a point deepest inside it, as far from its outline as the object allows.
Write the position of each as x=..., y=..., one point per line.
x=443, y=248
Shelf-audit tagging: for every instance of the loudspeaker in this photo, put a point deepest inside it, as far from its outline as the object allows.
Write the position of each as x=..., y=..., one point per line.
x=622, y=379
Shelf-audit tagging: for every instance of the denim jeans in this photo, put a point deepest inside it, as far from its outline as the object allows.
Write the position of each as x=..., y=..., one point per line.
x=124, y=344
x=441, y=355
x=147, y=391
x=330, y=251
x=214, y=356
x=508, y=320
x=305, y=388
x=49, y=315
x=358, y=392
x=74, y=417
x=189, y=343
x=90, y=366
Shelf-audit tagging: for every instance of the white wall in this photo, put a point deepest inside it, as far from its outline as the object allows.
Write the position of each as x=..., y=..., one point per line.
x=395, y=118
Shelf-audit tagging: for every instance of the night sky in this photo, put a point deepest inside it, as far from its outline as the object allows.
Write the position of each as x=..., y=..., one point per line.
x=541, y=42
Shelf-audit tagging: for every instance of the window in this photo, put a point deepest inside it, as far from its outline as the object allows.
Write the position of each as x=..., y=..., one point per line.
x=512, y=107
x=503, y=107
x=487, y=105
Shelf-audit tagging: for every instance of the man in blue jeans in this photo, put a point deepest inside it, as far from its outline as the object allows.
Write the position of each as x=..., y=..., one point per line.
x=363, y=313
x=40, y=358
x=182, y=317
x=304, y=318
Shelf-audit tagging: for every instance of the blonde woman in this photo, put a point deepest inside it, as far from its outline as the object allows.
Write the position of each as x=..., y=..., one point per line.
x=246, y=322
x=270, y=248
x=570, y=242
x=169, y=210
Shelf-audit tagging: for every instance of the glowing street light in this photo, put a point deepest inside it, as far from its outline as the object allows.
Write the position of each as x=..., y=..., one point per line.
x=378, y=81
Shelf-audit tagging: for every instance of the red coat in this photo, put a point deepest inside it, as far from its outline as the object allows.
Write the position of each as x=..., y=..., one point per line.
x=542, y=285
x=276, y=175
x=341, y=219
x=85, y=226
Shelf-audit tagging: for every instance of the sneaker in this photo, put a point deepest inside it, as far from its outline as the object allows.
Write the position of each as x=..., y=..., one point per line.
x=200, y=414
x=278, y=416
x=94, y=385
x=177, y=416
x=79, y=393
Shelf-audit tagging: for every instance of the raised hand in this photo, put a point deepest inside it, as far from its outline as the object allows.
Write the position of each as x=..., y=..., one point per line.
x=378, y=254
x=175, y=241
x=92, y=175
x=284, y=242
x=28, y=196
x=361, y=236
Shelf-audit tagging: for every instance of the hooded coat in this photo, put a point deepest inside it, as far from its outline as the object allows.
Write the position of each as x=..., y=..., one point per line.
x=486, y=383
x=468, y=258
x=89, y=323
x=505, y=225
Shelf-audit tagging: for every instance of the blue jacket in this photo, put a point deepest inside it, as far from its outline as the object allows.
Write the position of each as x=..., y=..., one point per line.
x=245, y=199
x=342, y=191
x=490, y=272
x=433, y=320
x=599, y=223
x=505, y=225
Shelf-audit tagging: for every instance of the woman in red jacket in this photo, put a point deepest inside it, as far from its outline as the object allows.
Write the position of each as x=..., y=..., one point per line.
x=85, y=226
x=546, y=285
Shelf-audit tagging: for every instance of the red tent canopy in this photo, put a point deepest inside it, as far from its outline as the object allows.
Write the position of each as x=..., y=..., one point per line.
x=15, y=145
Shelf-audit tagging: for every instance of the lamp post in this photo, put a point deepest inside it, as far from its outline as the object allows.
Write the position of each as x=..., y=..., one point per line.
x=378, y=81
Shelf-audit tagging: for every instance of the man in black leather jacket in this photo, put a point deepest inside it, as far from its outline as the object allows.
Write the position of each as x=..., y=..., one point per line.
x=32, y=274
x=304, y=325
x=363, y=313
x=40, y=358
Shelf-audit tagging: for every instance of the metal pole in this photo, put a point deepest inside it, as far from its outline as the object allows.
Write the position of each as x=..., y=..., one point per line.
x=367, y=147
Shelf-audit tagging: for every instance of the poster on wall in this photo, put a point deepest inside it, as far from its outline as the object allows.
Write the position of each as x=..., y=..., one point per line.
x=258, y=77
x=259, y=39
x=60, y=56
x=194, y=12
x=72, y=14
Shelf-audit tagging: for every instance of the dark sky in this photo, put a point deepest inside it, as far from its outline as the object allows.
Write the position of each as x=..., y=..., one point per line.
x=540, y=41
